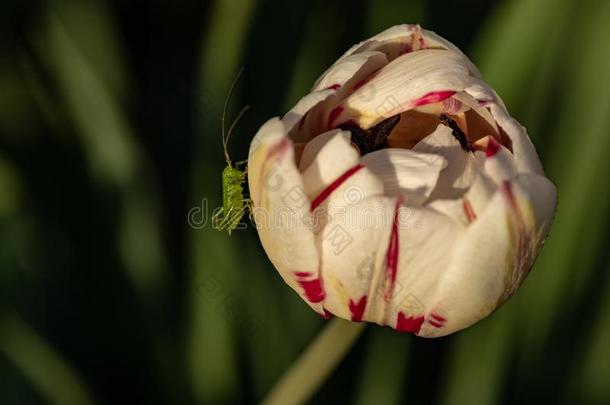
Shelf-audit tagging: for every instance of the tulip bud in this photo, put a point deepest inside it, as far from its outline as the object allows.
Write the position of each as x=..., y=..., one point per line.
x=400, y=191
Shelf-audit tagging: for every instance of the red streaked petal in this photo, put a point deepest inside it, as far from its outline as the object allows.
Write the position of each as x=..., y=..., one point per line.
x=332, y=117
x=406, y=47
x=493, y=147
x=468, y=210
x=432, y=97
x=333, y=186
x=408, y=323
x=438, y=317
x=312, y=289
x=436, y=324
x=437, y=321
x=357, y=308
x=392, y=254
x=507, y=191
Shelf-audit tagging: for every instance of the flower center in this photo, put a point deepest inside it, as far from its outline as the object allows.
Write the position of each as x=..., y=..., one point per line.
x=469, y=128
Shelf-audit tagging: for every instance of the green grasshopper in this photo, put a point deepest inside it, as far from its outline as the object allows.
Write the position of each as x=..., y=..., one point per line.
x=234, y=204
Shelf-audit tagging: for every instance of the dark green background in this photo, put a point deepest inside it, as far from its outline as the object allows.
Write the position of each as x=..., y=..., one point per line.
x=110, y=142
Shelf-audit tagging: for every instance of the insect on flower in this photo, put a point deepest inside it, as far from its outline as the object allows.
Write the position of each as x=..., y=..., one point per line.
x=234, y=203
x=456, y=131
x=373, y=139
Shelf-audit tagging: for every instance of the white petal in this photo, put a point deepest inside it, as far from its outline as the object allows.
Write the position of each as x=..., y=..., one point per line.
x=311, y=116
x=413, y=79
x=453, y=208
x=405, y=172
x=458, y=175
x=385, y=272
x=478, y=195
x=297, y=113
x=526, y=158
x=426, y=237
x=542, y=195
x=466, y=209
x=484, y=113
x=346, y=68
x=313, y=147
x=334, y=178
x=489, y=262
x=499, y=162
x=325, y=159
x=355, y=185
x=433, y=40
x=353, y=254
x=282, y=212
x=353, y=218
x=398, y=35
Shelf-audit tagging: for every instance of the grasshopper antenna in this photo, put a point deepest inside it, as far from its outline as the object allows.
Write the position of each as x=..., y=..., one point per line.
x=225, y=134
x=235, y=121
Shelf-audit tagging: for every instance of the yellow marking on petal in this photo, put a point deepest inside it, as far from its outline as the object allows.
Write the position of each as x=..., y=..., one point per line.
x=339, y=288
x=525, y=243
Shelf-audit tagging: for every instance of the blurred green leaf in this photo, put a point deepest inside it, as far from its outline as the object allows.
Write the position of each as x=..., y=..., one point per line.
x=108, y=141
x=117, y=162
x=478, y=362
x=16, y=107
x=98, y=39
x=317, y=51
x=382, y=14
x=574, y=242
x=104, y=130
x=223, y=44
x=278, y=327
x=10, y=189
x=589, y=382
x=514, y=40
x=50, y=374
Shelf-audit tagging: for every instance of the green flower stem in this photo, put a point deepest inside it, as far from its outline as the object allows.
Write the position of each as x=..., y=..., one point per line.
x=310, y=371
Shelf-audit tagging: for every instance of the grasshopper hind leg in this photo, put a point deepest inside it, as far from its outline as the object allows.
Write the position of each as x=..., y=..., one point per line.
x=218, y=220
x=230, y=220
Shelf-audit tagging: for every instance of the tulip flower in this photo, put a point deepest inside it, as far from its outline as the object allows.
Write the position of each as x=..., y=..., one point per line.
x=400, y=191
